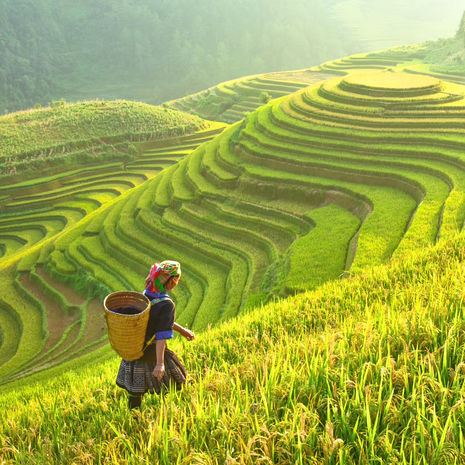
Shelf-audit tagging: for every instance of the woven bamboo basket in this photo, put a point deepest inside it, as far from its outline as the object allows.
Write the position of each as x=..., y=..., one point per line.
x=127, y=332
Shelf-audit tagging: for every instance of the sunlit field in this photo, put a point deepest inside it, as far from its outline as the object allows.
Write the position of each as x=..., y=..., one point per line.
x=368, y=369
x=318, y=216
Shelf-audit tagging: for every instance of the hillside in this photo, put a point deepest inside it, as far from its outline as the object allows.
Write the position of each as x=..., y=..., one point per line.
x=232, y=100
x=363, y=370
x=153, y=50
x=156, y=51
x=318, y=215
x=92, y=155
x=448, y=55
x=82, y=133
x=296, y=194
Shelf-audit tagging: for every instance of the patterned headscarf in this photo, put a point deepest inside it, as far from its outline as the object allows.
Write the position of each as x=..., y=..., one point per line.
x=159, y=274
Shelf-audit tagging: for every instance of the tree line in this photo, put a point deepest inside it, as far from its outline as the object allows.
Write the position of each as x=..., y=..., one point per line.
x=154, y=50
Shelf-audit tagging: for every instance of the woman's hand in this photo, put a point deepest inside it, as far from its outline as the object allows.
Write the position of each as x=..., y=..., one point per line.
x=188, y=334
x=159, y=371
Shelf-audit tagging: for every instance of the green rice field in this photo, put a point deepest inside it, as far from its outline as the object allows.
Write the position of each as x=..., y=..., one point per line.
x=318, y=216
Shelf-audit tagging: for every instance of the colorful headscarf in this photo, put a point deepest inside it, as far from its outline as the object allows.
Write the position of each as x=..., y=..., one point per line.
x=159, y=274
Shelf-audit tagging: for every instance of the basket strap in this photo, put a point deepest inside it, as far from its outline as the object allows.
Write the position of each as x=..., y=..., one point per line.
x=148, y=343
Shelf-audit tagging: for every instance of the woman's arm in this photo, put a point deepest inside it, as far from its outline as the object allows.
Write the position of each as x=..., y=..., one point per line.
x=159, y=370
x=188, y=334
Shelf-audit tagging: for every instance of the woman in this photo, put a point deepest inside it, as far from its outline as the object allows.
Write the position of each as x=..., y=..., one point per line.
x=158, y=367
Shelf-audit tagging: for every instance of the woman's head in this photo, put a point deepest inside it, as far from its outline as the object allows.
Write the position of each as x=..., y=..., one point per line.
x=163, y=276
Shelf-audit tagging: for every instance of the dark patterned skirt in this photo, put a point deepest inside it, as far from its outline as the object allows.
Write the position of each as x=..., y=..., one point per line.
x=137, y=376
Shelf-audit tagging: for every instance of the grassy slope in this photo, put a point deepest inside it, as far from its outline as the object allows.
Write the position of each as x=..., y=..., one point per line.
x=29, y=136
x=363, y=370
x=35, y=129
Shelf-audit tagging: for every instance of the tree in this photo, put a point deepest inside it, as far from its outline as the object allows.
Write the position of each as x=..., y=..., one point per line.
x=461, y=31
x=265, y=97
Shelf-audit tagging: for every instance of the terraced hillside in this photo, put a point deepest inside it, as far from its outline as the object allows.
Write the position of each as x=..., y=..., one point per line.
x=408, y=59
x=352, y=176
x=380, y=153
x=392, y=142
x=334, y=177
x=230, y=101
x=382, y=60
x=35, y=210
x=331, y=178
x=43, y=322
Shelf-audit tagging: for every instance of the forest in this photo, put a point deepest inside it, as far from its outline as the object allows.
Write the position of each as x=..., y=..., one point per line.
x=154, y=50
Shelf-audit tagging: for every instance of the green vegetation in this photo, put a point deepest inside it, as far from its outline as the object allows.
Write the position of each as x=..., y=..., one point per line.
x=316, y=183
x=365, y=369
x=269, y=190
x=153, y=51
x=36, y=216
x=310, y=264
x=40, y=208
x=87, y=132
x=448, y=55
x=288, y=136
x=231, y=101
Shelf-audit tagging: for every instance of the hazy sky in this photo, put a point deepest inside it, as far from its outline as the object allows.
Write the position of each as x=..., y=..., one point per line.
x=385, y=23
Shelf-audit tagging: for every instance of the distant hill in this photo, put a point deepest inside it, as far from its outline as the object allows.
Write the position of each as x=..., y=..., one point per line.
x=154, y=51
x=448, y=55
x=379, y=24
x=461, y=31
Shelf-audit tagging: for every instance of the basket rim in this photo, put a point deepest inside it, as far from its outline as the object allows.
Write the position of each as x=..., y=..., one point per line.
x=134, y=294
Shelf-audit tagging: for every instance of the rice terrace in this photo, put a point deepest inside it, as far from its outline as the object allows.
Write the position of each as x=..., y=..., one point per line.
x=318, y=215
